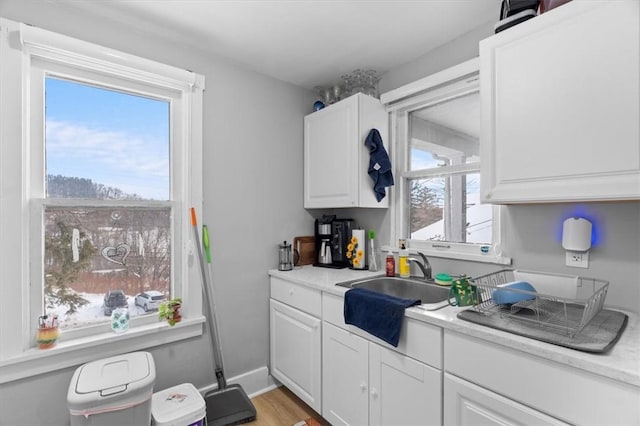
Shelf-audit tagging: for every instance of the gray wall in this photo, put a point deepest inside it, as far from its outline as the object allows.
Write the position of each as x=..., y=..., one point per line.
x=457, y=51
x=253, y=139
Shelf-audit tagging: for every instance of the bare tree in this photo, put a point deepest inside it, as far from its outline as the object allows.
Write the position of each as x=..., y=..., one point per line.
x=424, y=206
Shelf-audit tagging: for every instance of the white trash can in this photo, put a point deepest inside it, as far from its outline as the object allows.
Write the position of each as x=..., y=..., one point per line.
x=180, y=405
x=113, y=391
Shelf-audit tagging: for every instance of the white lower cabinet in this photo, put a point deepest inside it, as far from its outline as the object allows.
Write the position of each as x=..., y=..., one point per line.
x=514, y=387
x=364, y=383
x=295, y=341
x=403, y=391
x=433, y=377
x=466, y=404
x=345, y=377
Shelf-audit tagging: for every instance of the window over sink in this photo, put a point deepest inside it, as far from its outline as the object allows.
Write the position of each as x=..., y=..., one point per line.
x=436, y=146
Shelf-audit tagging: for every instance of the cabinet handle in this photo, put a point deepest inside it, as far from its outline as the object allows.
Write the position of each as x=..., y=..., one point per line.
x=374, y=393
x=363, y=386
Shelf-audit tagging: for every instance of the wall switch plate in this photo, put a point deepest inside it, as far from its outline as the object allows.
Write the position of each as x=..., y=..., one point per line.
x=577, y=259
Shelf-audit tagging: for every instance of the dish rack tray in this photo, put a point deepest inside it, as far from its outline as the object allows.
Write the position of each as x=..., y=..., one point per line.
x=563, y=314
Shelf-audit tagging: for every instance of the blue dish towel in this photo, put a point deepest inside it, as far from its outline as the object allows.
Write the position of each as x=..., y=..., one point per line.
x=379, y=164
x=376, y=313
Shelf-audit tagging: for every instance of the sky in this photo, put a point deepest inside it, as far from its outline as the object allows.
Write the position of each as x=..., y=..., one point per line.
x=115, y=139
x=421, y=160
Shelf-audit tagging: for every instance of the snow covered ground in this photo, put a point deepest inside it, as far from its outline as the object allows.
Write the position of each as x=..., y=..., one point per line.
x=479, y=228
x=92, y=313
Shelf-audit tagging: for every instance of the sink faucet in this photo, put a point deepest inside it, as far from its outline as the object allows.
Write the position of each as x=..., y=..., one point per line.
x=423, y=264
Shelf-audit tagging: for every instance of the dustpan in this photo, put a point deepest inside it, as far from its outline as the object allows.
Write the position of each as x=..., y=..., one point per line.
x=229, y=404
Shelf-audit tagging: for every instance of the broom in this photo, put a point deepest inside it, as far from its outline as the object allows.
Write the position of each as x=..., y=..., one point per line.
x=227, y=405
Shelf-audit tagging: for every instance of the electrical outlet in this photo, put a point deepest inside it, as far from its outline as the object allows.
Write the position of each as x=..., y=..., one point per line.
x=577, y=259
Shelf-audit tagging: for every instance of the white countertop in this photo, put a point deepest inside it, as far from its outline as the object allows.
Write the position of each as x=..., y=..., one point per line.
x=621, y=363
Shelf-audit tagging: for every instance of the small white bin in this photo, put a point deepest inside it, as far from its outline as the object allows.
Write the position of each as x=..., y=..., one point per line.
x=180, y=405
x=113, y=391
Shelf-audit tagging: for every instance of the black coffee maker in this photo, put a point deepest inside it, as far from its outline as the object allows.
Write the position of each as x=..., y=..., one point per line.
x=332, y=236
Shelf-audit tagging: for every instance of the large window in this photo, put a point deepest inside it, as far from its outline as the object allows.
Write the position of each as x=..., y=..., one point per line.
x=104, y=145
x=436, y=153
x=99, y=166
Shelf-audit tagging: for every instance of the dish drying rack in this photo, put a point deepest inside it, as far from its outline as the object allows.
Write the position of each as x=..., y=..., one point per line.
x=566, y=315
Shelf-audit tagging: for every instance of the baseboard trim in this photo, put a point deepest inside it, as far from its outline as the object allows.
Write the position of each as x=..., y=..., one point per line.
x=253, y=382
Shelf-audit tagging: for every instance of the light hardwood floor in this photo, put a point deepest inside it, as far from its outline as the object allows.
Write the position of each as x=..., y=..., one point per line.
x=280, y=407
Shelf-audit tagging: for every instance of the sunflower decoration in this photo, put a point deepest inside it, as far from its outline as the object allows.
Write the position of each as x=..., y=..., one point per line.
x=355, y=256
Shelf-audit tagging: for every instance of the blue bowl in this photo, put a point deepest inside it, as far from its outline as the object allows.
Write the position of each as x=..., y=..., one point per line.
x=510, y=293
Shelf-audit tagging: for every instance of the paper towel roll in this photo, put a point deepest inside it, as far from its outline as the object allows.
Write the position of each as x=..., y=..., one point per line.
x=359, y=255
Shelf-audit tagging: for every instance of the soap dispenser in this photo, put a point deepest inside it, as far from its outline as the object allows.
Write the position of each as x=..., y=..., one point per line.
x=403, y=260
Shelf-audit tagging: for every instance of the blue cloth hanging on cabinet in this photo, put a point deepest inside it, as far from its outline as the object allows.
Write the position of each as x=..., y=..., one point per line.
x=379, y=164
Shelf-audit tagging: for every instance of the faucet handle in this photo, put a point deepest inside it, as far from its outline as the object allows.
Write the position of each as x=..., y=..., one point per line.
x=426, y=267
x=424, y=258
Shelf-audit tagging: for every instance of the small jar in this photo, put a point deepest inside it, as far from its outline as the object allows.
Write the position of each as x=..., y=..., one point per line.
x=46, y=337
x=120, y=320
x=390, y=265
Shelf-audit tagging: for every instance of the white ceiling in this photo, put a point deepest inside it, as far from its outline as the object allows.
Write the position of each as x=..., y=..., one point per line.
x=304, y=42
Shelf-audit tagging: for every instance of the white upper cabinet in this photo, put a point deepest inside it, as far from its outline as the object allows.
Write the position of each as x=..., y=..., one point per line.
x=560, y=106
x=336, y=162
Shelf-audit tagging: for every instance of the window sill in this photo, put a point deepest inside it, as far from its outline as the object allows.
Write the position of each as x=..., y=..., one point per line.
x=455, y=255
x=78, y=351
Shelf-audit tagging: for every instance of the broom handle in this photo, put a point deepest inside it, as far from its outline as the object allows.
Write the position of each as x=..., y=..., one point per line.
x=211, y=320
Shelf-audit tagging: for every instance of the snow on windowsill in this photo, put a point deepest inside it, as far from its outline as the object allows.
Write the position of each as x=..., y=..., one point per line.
x=79, y=351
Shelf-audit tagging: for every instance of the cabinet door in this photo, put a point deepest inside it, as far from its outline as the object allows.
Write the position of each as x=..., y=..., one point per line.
x=344, y=377
x=330, y=156
x=295, y=352
x=560, y=105
x=571, y=394
x=466, y=404
x=403, y=391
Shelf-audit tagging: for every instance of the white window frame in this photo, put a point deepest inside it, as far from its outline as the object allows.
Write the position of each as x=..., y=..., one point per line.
x=28, y=54
x=444, y=85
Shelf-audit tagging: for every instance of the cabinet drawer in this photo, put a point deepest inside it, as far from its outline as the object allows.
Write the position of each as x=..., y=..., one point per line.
x=468, y=404
x=418, y=339
x=304, y=298
x=563, y=392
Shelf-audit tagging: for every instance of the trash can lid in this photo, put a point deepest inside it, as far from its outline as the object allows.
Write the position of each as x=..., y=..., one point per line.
x=115, y=374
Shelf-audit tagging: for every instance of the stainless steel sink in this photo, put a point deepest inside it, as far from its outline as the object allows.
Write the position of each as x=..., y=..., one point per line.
x=430, y=294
